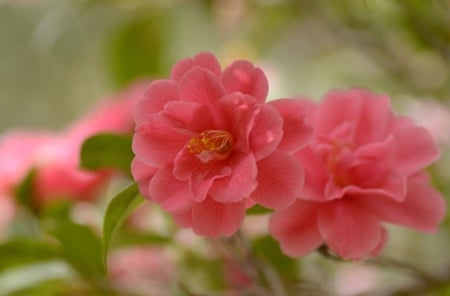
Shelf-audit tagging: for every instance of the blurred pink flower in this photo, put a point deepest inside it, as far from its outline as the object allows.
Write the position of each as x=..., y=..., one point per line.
x=55, y=156
x=142, y=271
x=207, y=145
x=363, y=167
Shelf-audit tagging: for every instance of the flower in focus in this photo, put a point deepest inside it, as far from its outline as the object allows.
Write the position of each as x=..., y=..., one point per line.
x=207, y=145
x=363, y=167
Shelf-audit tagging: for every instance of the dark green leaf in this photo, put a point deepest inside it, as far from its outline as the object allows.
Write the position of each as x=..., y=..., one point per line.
x=107, y=151
x=258, y=210
x=119, y=208
x=24, y=192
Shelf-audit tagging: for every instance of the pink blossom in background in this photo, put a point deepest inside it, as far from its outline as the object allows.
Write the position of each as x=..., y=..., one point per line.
x=207, y=145
x=61, y=176
x=55, y=156
x=142, y=271
x=363, y=167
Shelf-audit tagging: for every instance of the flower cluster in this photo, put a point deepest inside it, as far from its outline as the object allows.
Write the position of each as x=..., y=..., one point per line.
x=207, y=146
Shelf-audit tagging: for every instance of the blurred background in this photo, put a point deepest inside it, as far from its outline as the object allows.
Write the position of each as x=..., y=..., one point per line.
x=57, y=57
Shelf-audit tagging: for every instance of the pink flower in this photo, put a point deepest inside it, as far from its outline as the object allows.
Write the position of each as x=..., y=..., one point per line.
x=363, y=167
x=142, y=271
x=55, y=156
x=206, y=145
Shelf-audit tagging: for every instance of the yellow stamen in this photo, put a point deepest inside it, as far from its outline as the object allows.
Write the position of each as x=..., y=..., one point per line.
x=211, y=145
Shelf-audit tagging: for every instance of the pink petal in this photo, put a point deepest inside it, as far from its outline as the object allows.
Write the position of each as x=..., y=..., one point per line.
x=423, y=208
x=201, y=86
x=267, y=132
x=211, y=218
x=373, y=162
x=200, y=175
x=188, y=118
x=159, y=93
x=316, y=175
x=297, y=132
x=296, y=228
x=156, y=143
x=142, y=174
x=204, y=60
x=383, y=240
x=416, y=149
x=239, y=111
x=240, y=183
x=365, y=111
x=242, y=76
x=280, y=180
x=348, y=229
x=171, y=193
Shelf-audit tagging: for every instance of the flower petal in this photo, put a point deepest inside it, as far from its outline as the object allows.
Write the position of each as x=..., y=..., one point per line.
x=297, y=132
x=201, y=86
x=415, y=147
x=243, y=76
x=158, y=94
x=205, y=60
x=316, y=175
x=348, y=229
x=169, y=192
x=423, y=208
x=280, y=180
x=296, y=228
x=267, y=131
x=156, y=143
x=142, y=174
x=188, y=118
x=211, y=218
x=240, y=184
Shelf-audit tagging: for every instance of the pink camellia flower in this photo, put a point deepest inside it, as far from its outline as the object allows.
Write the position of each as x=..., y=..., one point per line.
x=207, y=145
x=363, y=167
x=55, y=156
x=60, y=176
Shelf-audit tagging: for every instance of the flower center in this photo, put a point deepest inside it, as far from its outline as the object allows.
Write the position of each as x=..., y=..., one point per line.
x=211, y=145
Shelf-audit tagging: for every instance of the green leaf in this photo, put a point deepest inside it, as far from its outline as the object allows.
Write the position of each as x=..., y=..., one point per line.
x=258, y=210
x=267, y=248
x=24, y=251
x=119, y=208
x=107, y=151
x=82, y=248
x=24, y=192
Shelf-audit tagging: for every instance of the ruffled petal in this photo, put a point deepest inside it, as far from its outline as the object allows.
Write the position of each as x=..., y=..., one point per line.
x=243, y=76
x=204, y=60
x=187, y=118
x=239, y=112
x=349, y=230
x=416, y=148
x=297, y=132
x=296, y=228
x=172, y=194
x=316, y=175
x=212, y=219
x=280, y=180
x=159, y=93
x=240, y=184
x=142, y=174
x=156, y=143
x=423, y=208
x=201, y=86
x=267, y=132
